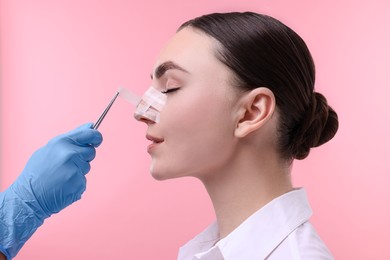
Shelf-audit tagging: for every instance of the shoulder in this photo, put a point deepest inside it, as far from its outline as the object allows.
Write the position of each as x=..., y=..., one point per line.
x=303, y=243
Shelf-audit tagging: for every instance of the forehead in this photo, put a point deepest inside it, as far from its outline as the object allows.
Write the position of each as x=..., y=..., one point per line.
x=189, y=48
x=196, y=53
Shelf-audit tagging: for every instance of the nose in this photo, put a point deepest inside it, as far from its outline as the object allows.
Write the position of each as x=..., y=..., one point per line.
x=143, y=119
x=148, y=109
x=146, y=114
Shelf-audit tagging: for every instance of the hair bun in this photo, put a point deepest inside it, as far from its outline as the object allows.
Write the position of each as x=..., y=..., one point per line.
x=318, y=125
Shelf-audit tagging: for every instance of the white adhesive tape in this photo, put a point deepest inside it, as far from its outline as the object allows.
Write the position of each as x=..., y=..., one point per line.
x=129, y=96
x=148, y=106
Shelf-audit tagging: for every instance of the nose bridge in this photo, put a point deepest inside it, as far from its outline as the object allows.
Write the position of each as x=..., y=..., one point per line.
x=150, y=106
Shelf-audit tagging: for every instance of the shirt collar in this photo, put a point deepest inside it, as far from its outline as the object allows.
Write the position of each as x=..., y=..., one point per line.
x=258, y=235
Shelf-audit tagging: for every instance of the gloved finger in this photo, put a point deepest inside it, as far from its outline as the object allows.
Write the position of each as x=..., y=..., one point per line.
x=75, y=187
x=85, y=135
x=87, y=153
x=83, y=166
x=77, y=184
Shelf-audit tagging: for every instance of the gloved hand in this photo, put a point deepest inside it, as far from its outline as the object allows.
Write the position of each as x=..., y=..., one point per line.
x=52, y=179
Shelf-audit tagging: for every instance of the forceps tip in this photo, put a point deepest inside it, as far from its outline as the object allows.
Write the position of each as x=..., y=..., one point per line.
x=103, y=115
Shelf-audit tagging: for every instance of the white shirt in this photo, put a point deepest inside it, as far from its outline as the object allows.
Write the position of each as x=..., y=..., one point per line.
x=279, y=230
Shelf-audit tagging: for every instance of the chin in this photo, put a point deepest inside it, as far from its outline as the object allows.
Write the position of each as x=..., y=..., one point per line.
x=158, y=174
x=161, y=174
x=159, y=177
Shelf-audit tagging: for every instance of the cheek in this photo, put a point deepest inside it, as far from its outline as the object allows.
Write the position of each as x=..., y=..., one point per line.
x=199, y=115
x=198, y=134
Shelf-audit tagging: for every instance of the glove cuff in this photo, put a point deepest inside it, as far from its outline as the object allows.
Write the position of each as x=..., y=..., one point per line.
x=19, y=219
x=25, y=194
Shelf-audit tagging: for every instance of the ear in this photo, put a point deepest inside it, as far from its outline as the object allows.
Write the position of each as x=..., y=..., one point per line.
x=256, y=108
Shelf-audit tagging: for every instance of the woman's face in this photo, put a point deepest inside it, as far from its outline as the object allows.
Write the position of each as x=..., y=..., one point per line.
x=195, y=134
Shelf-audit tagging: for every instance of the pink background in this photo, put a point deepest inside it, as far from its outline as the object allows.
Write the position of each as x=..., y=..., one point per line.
x=62, y=61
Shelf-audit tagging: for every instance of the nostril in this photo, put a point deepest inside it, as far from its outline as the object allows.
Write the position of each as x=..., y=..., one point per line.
x=143, y=119
x=150, y=114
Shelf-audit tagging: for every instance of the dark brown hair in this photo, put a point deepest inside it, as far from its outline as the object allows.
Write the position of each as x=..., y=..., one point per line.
x=263, y=52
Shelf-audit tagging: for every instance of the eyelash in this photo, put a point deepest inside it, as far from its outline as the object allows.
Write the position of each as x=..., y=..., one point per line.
x=169, y=90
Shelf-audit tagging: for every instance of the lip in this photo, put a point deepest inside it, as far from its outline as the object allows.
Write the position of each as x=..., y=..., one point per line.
x=155, y=142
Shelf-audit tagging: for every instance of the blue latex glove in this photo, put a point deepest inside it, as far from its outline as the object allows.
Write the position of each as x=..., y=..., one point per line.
x=52, y=180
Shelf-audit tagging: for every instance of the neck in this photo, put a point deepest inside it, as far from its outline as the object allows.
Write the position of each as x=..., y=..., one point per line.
x=245, y=186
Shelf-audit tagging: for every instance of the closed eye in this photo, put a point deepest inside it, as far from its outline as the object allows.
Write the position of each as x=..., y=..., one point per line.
x=169, y=90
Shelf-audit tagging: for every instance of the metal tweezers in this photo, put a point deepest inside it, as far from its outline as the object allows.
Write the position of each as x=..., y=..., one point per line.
x=103, y=115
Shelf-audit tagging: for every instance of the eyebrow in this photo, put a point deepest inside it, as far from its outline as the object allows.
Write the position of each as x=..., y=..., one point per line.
x=164, y=67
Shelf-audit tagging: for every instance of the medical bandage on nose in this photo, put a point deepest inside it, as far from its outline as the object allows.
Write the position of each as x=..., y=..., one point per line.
x=149, y=106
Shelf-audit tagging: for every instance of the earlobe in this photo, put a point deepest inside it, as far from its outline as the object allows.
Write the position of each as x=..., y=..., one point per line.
x=256, y=109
